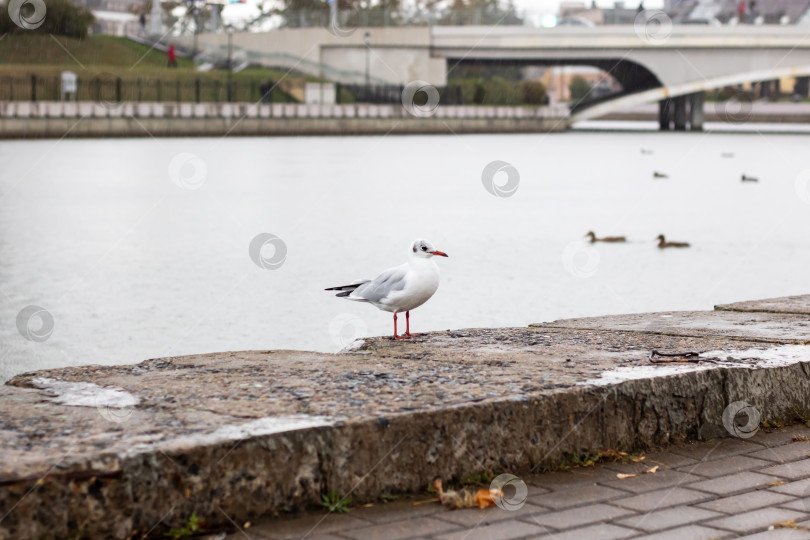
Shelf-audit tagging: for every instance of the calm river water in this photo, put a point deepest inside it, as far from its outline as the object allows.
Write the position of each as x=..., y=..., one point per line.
x=107, y=237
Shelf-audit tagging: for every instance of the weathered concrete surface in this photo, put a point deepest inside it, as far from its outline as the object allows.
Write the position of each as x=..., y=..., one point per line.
x=789, y=304
x=770, y=327
x=129, y=450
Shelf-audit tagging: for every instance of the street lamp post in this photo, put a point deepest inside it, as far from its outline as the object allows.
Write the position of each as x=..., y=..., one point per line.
x=367, y=40
x=230, y=60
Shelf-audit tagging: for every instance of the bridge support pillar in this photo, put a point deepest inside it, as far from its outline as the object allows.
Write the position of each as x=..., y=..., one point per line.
x=696, y=111
x=679, y=113
x=664, y=114
x=802, y=86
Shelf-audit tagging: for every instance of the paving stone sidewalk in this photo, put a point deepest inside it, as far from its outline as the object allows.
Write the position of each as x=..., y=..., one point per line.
x=755, y=488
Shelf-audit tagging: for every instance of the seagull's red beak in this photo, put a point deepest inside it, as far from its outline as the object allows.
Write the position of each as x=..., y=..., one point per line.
x=439, y=253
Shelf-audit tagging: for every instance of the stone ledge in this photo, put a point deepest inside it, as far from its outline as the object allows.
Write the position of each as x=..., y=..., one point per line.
x=120, y=450
x=789, y=304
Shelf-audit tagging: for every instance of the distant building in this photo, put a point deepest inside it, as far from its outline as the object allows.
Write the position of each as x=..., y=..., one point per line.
x=692, y=12
x=672, y=5
x=114, y=17
x=619, y=14
x=725, y=11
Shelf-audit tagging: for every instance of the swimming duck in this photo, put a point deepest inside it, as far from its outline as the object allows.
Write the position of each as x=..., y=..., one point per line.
x=657, y=174
x=662, y=243
x=593, y=238
x=749, y=178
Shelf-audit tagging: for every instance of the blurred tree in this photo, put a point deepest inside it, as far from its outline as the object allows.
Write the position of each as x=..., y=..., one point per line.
x=354, y=13
x=532, y=92
x=313, y=5
x=143, y=8
x=368, y=12
x=578, y=88
x=487, y=71
x=479, y=92
x=472, y=90
x=359, y=5
x=61, y=18
x=485, y=12
x=499, y=91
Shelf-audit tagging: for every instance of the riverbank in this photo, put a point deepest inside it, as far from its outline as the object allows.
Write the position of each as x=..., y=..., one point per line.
x=112, y=451
x=19, y=119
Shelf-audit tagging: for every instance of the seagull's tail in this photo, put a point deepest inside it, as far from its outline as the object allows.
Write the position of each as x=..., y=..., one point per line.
x=346, y=290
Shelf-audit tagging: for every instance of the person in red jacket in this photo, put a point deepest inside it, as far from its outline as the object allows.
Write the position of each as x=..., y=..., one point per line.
x=172, y=55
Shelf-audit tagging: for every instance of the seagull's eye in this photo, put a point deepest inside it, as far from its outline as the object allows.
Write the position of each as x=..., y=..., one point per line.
x=424, y=248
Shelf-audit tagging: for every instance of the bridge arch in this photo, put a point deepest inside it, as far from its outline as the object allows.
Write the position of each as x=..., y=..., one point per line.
x=618, y=103
x=631, y=74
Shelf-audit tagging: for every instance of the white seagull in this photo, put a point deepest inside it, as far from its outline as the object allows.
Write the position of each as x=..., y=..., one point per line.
x=402, y=288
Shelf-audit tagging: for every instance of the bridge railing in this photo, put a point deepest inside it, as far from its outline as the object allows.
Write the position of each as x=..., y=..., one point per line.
x=107, y=88
x=110, y=89
x=348, y=19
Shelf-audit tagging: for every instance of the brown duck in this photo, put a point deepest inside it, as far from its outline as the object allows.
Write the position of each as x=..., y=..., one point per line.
x=593, y=238
x=662, y=243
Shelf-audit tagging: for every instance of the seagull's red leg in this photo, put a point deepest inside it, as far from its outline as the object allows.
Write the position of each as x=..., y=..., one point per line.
x=408, y=325
x=395, y=327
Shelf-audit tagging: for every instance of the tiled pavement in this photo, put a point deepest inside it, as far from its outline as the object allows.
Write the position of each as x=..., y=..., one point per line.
x=729, y=488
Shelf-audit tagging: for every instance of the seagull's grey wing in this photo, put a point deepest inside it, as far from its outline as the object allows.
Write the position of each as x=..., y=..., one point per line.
x=383, y=285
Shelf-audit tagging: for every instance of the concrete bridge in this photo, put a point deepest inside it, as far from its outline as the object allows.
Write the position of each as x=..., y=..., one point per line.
x=672, y=65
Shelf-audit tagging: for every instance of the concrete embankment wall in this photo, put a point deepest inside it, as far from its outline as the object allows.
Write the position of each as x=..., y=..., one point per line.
x=65, y=119
x=741, y=113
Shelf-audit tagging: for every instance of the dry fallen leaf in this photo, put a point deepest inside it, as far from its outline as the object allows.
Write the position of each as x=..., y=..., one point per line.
x=621, y=476
x=788, y=524
x=803, y=438
x=465, y=498
x=486, y=497
x=653, y=470
x=639, y=458
x=777, y=483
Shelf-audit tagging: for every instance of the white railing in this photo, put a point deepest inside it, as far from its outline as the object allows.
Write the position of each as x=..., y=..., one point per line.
x=85, y=109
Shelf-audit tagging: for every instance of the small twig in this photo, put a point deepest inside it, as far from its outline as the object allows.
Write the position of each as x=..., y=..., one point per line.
x=656, y=357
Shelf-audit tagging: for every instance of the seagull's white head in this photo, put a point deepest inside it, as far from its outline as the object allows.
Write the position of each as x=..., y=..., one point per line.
x=424, y=249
